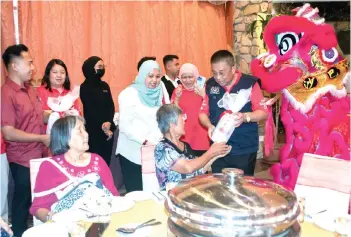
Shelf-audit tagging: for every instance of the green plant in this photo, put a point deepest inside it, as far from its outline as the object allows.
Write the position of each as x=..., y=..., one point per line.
x=260, y=22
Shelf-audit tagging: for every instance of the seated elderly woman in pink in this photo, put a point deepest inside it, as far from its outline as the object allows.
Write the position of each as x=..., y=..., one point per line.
x=65, y=180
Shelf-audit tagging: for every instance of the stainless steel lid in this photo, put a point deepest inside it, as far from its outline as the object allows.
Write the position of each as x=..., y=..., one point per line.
x=230, y=200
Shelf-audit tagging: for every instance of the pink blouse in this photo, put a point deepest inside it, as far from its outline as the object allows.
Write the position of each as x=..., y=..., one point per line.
x=50, y=177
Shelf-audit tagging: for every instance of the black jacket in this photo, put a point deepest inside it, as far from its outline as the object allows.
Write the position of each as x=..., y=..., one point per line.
x=169, y=86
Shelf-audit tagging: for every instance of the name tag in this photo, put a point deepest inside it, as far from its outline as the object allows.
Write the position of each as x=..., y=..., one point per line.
x=105, y=91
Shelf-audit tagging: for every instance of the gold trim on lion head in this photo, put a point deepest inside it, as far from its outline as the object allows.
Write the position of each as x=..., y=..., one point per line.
x=311, y=83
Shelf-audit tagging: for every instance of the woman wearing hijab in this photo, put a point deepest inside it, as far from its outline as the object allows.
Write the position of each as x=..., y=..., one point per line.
x=98, y=108
x=189, y=98
x=138, y=105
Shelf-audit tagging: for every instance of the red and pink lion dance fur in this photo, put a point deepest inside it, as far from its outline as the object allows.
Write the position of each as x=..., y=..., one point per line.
x=304, y=63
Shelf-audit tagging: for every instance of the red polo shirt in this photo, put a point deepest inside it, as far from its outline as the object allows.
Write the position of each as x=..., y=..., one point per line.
x=195, y=134
x=44, y=94
x=3, y=145
x=21, y=109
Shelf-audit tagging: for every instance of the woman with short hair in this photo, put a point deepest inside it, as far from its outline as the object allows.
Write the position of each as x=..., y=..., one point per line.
x=175, y=160
x=70, y=166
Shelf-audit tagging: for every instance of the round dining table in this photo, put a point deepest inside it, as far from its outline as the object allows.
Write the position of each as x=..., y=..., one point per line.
x=150, y=209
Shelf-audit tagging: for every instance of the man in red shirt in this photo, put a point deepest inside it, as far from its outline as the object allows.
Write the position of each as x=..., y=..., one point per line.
x=4, y=179
x=22, y=125
x=244, y=140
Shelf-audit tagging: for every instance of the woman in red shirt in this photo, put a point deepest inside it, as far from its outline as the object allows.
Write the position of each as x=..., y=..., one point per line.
x=189, y=98
x=56, y=84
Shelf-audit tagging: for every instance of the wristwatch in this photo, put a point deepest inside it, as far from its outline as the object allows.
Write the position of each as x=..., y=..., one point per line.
x=247, y=118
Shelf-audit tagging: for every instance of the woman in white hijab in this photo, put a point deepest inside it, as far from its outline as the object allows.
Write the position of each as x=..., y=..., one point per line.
x=138, y=104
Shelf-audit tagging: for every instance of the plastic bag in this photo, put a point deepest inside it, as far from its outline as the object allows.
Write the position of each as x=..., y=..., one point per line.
x=64, y=103
x=232, y=103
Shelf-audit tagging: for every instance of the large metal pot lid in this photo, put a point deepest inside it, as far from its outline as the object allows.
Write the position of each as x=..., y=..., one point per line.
x=232, y=199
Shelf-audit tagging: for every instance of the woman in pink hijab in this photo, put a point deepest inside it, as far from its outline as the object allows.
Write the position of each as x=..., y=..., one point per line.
x=189, y=98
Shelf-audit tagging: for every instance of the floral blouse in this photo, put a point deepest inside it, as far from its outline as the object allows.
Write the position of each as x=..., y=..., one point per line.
x=166, y=155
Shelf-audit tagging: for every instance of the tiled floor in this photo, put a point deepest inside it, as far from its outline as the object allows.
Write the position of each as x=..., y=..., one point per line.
x=262, y=170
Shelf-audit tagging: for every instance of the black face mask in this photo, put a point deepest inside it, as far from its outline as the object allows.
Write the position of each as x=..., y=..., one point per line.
x=100, y=72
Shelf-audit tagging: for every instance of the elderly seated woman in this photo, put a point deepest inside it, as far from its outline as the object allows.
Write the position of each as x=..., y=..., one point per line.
x=71, y=174
x=175, y=159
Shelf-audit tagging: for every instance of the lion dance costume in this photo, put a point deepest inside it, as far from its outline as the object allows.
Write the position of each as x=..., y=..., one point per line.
x=304, y=64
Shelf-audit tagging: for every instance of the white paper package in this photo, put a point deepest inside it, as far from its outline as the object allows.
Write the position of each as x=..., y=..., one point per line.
x=64, y=103
x=233, y=103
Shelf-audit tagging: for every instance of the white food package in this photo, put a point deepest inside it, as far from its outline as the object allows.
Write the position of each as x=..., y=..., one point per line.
x=64, y=103
x=233, y=103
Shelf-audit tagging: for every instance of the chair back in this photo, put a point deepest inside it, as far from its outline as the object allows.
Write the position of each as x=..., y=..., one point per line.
x=34, y=166
x=150, y=182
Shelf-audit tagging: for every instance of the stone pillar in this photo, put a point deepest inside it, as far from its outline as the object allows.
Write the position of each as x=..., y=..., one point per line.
x=247, y=47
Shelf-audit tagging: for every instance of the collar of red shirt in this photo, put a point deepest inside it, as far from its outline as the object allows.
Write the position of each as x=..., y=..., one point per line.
x=237, y=76
x=64, y=91
x=15, y=86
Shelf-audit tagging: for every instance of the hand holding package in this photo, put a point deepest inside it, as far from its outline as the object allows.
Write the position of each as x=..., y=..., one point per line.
x=232, y=103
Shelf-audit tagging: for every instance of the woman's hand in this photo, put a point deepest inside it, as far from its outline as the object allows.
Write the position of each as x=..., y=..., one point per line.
x=200, y=91
x=179, y=91
x=71, y=112
x=109, y=134
x=219, y=149
x=106, y=126
x=223, y=155
x=6, y=227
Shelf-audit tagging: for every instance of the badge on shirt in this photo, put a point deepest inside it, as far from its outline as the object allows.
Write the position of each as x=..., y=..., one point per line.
x=105, y=91
x=214, y=90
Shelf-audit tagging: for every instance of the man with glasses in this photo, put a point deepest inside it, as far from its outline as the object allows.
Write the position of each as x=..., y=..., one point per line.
x=244, y=140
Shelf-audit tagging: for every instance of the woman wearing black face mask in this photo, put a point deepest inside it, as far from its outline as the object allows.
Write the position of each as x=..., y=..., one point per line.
x=98, y=108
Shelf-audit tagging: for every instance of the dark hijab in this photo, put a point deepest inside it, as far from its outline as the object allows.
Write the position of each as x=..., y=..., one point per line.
x=91, y=76
x=98, y=108
x=96, y=97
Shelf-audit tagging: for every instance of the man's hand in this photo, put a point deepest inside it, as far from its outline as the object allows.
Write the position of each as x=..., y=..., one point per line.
x=239, y=119
x=46, y=139
x=210, y=131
